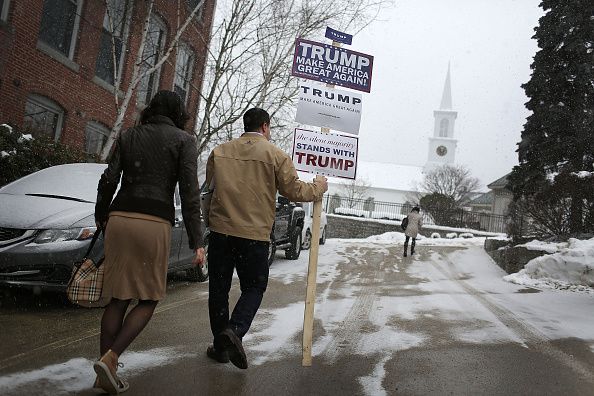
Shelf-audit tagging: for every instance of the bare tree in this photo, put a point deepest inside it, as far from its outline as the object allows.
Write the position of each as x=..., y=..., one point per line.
x=354, y=190
x=452, y=181
x=141, y=69
x=250, y=59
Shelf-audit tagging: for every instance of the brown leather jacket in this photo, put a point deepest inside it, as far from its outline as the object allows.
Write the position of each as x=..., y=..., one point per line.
x=248, y=171
x=150, y=159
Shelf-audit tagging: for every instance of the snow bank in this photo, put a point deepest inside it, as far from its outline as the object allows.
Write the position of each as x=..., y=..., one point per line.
x=398, y=237
x=549, y=247
x=570, y=268
x=388, y=237
x=351, y=212
x=387, y=215
x=374, y=214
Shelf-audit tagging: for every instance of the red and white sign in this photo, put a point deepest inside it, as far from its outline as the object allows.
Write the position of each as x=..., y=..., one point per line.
x=327, y=154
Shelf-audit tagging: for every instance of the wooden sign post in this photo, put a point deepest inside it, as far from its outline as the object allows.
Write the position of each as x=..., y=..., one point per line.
x=312, y=271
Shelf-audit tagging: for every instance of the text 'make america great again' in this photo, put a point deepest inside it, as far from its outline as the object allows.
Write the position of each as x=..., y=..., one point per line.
x=332, y=65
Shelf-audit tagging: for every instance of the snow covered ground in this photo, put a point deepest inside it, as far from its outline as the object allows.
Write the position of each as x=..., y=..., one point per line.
x=567, y=266
x=463, y=288
x=65, y=378
x=372, y=304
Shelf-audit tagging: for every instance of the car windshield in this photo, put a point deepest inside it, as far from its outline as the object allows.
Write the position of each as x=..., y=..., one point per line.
x=72, y=181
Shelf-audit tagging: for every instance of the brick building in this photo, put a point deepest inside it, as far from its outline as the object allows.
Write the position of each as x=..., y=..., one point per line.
x=57, y=68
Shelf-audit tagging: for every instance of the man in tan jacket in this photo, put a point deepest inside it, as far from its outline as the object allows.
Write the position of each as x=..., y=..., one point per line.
x=247, y=173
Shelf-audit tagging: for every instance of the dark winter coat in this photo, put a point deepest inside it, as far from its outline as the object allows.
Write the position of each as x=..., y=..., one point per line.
x=151, y=159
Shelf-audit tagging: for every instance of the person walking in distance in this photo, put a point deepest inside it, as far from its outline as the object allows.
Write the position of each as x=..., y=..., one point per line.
x=150, y=159
x=415, y=223
x=247, y=173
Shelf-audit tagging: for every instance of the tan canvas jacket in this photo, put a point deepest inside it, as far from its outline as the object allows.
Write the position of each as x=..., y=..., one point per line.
x=248, y=171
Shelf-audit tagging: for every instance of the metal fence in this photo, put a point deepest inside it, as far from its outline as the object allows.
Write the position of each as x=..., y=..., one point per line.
x=371, y=209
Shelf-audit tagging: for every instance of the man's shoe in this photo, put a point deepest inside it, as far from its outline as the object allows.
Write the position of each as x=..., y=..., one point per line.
x=232, y=344
x=219, y=356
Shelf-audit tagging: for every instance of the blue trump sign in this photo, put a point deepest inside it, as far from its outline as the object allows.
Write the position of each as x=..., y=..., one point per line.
x=340, y=37
x=332, y=65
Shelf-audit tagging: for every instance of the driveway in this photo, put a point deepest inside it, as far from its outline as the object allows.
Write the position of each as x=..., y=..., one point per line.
x=442, y=322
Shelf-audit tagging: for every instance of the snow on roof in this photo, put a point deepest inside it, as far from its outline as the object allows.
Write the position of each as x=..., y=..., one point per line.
x=483, y=199
x=382, y=175
x=499, y=183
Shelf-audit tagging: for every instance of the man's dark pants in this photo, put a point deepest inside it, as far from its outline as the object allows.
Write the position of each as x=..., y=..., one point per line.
x=250, y=259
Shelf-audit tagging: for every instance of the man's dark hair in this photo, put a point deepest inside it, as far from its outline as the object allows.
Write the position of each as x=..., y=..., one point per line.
x=254, y=118
x=168, y=104
x=416, y=209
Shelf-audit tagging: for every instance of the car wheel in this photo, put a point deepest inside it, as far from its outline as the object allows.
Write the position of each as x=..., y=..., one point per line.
x=307, y=241
x=323, y=237
x=292, y=253
x=197, y=274
x=271, y=250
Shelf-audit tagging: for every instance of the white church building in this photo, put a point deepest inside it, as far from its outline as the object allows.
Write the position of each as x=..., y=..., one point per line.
x=396, y=183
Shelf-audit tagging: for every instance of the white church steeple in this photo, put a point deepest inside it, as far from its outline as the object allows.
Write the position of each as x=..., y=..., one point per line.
x=442, y=146
x=446, y=97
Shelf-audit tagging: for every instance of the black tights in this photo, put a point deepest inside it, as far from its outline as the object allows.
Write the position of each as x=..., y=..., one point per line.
x=412, y=247
x=116, y=332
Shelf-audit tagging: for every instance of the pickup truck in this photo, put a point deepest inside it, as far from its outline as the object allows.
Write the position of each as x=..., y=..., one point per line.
x=287, y=230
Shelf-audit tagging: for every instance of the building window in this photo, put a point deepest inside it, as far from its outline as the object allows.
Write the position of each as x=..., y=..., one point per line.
x=4, y=5
x=184, y=65
x=153, y=49
x=113, y=40
x=96, y=135
x=443, y=127
x=43, y=117
x=59, y=25
x=192, y=4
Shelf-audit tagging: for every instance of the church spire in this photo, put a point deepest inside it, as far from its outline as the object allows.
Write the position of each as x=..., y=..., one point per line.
x=446, y=97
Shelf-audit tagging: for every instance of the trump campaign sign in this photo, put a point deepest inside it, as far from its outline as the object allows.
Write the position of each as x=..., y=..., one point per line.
x=332, y=65
x=329, y=108
x=340, y=37
x=326, y=154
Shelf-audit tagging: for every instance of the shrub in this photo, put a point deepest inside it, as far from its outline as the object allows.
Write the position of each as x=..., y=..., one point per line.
x=21, y=154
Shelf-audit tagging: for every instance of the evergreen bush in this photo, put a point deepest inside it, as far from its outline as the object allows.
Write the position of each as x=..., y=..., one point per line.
x=21, y=154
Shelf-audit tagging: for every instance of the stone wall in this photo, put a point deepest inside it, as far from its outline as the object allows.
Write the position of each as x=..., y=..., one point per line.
x=355, y=227
x=510, y=258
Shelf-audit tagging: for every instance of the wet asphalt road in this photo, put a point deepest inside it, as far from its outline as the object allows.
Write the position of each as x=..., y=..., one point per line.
x=46, y=345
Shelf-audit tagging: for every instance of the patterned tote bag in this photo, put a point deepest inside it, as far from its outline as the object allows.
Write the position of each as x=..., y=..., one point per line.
x=86, y=282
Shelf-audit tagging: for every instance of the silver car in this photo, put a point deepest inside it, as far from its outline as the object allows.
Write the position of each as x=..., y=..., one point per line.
x=47, y=222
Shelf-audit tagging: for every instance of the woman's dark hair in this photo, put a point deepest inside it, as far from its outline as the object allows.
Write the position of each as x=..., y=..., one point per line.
x=168, y=104
x=254, y=118
x=416, y=209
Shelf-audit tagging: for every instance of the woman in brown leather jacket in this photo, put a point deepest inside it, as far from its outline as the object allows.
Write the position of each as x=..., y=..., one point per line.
x=150, y=159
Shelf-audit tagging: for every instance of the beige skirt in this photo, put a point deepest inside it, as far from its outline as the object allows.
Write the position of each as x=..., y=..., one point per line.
x=136, y=256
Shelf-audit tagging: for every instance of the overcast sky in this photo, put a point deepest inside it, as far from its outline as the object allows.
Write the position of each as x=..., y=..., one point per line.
x=489, y=45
